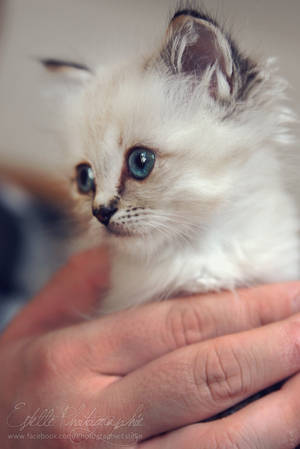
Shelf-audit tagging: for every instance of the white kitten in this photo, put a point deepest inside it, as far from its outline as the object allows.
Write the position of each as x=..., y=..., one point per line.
x=177, y=155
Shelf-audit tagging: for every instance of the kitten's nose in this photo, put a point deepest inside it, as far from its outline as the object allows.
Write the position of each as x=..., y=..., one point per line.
x=104, y=214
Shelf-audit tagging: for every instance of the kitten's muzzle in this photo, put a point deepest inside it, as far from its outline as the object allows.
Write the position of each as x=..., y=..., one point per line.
x=104, y=214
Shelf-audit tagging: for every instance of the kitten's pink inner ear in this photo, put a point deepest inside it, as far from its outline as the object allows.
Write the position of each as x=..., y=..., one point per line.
x=200, y=46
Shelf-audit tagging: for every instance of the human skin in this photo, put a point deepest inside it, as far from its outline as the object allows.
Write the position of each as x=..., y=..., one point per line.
x=150, y=373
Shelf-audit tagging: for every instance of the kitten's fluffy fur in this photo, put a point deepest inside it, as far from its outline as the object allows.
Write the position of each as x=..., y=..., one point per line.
x=214, y=212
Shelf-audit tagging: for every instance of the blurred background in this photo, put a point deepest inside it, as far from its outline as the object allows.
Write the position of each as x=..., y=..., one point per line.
x=93, y=32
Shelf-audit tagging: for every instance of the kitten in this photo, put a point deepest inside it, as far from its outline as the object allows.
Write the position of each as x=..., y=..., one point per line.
x=178, y=167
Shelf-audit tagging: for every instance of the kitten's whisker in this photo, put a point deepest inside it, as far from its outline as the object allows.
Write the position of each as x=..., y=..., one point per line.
x=189, y=227
x=164, y=229
x=173, y=217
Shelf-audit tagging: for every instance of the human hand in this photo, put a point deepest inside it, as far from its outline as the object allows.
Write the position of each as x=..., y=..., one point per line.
x=154, y=369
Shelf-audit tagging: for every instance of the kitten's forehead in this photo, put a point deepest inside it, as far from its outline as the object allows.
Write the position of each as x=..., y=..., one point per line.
x=128, y=103
x=136, y=107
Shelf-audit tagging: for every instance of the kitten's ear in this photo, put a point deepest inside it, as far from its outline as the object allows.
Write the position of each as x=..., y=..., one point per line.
x=68, y=71
x=196, y=46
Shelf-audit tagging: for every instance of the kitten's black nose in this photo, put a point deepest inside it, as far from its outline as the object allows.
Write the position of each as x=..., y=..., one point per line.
x=104, y=214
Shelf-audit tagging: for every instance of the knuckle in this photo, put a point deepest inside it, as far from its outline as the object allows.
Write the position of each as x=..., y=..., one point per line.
x=49, y=367
x=184, y=324
x=223, y=374
x=50, y=356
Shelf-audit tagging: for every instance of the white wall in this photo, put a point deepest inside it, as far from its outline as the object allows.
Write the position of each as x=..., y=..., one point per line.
x=95, y=31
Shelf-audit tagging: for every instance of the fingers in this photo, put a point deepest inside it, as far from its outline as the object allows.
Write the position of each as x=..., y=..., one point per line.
x=269, y=423
x=140, y=335
x=74, y=290
x=275, y=418
x=196, y=382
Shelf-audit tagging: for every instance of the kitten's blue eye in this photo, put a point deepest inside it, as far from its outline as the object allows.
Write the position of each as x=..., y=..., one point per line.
x=85, y=178
x=141, y=162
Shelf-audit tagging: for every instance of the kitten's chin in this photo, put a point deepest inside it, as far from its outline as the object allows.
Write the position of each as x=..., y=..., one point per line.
x=128, y=242
x=122, y=241
x=136, y=245
x=114, y=230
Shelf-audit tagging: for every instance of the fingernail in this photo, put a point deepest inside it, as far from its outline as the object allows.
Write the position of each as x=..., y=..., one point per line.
x=296, y=303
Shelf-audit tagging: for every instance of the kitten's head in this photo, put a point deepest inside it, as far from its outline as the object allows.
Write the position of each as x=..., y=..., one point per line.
x=156, y=144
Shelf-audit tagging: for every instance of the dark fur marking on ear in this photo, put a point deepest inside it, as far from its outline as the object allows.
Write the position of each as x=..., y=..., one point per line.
x=57, y=64
x=246, y=69
x=194, y=13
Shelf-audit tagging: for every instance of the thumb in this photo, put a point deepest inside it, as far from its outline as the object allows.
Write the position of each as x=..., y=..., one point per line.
x=73, y=291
